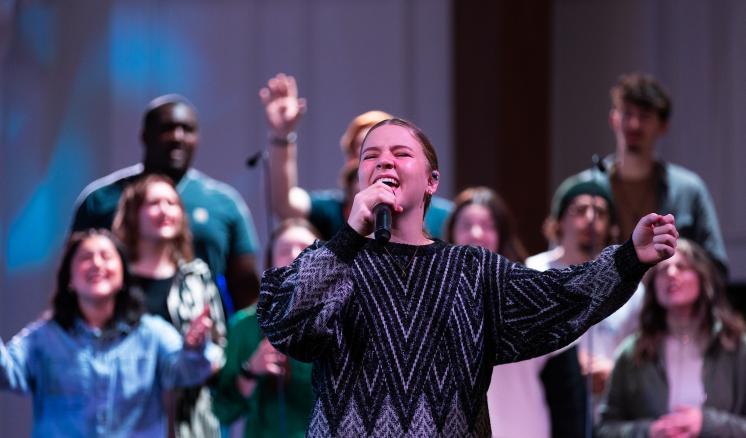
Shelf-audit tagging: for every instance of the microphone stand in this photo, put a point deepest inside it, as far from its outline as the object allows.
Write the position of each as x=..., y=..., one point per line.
x=251, y=162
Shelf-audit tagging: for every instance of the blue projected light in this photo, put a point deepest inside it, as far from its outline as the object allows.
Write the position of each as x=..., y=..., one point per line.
x=129, y=52
x=176, y=68
x=13, y=124
x=36, y=29
x=140, y=58
x=147, y=55
x=38, y=231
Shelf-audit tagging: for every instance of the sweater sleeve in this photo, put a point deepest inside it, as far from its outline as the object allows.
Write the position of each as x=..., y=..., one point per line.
x=533, y=313
x=300, y=306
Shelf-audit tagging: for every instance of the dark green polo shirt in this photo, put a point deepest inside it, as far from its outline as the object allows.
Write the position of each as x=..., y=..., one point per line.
x=220, y=221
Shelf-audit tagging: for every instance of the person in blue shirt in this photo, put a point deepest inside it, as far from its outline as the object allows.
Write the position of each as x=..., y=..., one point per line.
x=94, y=364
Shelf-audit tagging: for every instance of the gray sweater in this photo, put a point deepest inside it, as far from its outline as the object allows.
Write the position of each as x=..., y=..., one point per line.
x=403, y=339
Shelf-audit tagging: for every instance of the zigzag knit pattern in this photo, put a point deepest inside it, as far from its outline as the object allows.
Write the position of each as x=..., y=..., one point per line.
x=410, y=353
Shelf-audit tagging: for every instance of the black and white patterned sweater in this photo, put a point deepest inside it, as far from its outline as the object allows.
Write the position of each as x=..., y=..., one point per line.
x=406, y=347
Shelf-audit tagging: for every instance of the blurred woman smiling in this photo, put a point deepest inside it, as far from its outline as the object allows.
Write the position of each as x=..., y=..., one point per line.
x=95, y=366
x=683, y=374
x=152, y=224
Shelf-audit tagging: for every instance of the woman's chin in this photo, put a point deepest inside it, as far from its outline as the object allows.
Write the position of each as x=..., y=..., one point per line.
x=98, y=294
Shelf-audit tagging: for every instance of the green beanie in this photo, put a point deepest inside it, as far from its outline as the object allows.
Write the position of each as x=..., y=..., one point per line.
x=581, y=184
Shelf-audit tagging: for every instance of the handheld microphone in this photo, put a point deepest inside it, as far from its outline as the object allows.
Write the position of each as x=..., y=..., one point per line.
x=382, y=216
x=382, y=213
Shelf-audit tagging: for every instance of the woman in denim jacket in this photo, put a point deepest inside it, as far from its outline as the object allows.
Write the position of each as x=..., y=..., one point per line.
x=94, y=365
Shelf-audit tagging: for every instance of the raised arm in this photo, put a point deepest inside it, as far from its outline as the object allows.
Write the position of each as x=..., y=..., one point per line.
x=284, y=109
x=533, y=313
x=15, y=372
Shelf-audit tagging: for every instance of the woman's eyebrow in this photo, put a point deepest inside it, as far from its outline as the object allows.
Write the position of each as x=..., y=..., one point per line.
x=395, y=147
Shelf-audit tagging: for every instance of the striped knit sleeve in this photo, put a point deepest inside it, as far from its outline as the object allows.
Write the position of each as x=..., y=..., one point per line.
x=534, y=313
x=300, y=306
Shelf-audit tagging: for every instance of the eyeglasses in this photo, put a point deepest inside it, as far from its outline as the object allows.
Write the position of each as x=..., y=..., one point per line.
x=580, y=210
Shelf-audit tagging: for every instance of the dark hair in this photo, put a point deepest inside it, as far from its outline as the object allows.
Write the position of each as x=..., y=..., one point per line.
x=128, y=305
x=642, y=90
x=711, y=306
x=510, y=245
x=152, y=111
x=284, y=226
x=427, y=147
x=126, y=224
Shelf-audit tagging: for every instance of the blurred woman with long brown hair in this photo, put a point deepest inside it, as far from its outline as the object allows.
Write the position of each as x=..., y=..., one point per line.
x=684, y=373
x=152, y=224
x=94, y=364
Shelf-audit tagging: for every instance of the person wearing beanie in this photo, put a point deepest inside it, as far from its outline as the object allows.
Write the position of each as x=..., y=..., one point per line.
x=581, y=223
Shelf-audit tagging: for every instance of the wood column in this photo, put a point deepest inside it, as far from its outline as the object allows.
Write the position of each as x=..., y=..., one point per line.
x=502, y=61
